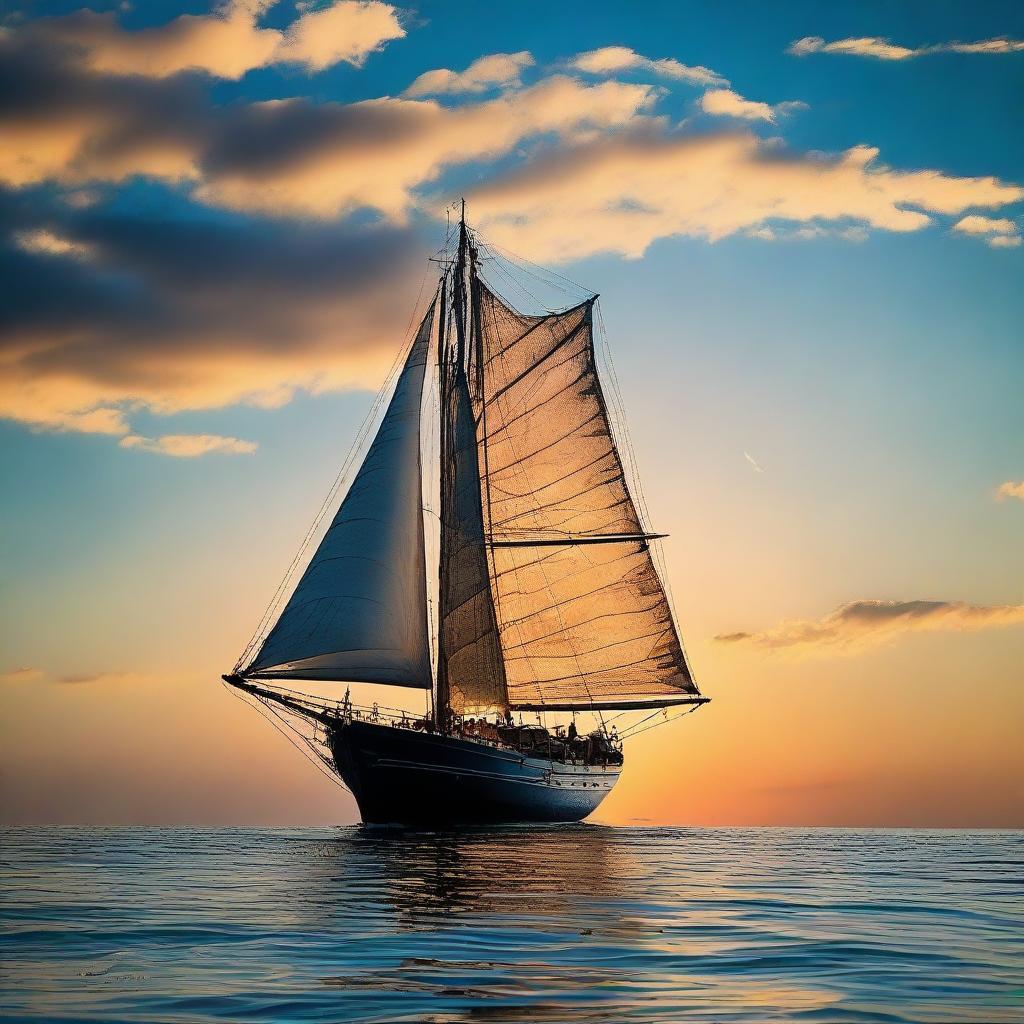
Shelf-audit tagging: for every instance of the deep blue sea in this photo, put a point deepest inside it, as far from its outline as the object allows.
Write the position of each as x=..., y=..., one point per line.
x=569, y=924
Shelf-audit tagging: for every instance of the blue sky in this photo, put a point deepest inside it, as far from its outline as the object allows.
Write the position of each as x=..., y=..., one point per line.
x=823, y=408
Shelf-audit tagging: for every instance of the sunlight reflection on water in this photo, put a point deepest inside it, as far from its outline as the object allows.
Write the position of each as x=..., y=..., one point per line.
x=575, y=923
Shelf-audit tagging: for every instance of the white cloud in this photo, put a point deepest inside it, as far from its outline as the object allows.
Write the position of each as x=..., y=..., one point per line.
x=1004, y=241
x=189, y=446
x=726, y=103
x=610, y=60
x=862, y=624
x=1010, y=489
x=884, y=49
x=501, y=70
x=620, y=194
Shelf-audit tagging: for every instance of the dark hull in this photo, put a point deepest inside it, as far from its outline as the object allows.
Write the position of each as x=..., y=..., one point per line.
x=411, y=778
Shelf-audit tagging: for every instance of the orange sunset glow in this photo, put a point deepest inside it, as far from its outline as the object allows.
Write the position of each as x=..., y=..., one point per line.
x=218, y=224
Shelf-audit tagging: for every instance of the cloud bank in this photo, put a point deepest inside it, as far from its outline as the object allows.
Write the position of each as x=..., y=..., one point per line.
x=621, y=194
x=172, y=315
x=290, y=157
x=862, y=624
x=287, y=281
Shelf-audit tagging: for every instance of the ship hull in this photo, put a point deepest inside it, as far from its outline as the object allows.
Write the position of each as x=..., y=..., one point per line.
x=403, y=777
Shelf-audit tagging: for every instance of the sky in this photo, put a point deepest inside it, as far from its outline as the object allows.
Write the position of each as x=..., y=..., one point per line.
x=806, y=232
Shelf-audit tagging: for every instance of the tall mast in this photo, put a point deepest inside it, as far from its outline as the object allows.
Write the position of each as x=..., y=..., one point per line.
x=449, y=369
x=461, y=320
x=441, y=680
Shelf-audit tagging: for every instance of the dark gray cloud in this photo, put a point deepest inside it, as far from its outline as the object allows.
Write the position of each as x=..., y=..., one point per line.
x=102, y=309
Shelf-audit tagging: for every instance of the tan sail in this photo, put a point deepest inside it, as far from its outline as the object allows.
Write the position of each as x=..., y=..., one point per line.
x=582, y=615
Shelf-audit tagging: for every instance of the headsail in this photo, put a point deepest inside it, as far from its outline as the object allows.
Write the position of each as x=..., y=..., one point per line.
x=359, y=612
x=580, y=624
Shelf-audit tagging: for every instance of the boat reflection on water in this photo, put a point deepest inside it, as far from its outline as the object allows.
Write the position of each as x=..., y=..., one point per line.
x=481, y=925
x=421, y=876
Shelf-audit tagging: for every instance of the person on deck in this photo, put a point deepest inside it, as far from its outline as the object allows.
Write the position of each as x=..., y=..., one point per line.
x=572, y=730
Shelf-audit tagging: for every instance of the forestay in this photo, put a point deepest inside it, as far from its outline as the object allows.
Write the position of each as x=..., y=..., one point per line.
x=359, y=612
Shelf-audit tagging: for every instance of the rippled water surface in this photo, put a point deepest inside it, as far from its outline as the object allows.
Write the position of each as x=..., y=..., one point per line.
x=577, y=924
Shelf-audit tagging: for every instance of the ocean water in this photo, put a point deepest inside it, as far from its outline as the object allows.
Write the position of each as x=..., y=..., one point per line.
x=569, y=924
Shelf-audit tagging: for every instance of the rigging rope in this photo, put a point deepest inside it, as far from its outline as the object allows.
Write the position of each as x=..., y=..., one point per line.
x=318, y=760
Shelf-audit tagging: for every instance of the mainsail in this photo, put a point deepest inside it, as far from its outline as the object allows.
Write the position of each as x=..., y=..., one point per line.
x=582, y=615
x=359, y=612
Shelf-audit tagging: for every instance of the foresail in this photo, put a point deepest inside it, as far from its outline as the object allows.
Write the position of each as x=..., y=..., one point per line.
x=471, y=660
x=579, y=623
x=359, y=612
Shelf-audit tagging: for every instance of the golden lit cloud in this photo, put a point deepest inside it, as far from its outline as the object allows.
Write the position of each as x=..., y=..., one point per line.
x=226, y=43
x=883, y=49
x=346, y=31
x=976, y=225
x=189, y=446
x=501, y=70
x=1010, y=489
x=998, y=232
x=611, y=60
x=282, y=157
x=863, y=624
x=621, y=194
x=726, y=103
x=335, y=158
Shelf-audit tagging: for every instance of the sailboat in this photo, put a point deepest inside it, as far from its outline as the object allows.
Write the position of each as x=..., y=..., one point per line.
x=549, y=602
